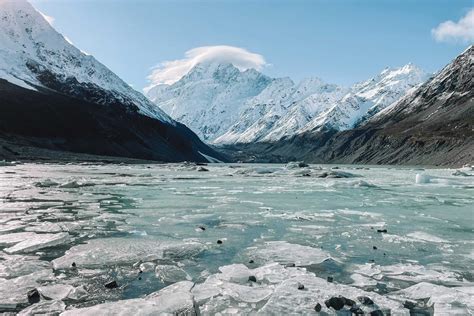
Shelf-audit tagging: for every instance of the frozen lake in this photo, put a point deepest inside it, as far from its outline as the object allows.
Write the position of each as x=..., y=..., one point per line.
x=236, y=239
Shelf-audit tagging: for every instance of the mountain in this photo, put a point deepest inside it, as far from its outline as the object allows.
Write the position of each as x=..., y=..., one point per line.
x=432, y=124
x=227, y=106
x=56, y=96
x=210, y=97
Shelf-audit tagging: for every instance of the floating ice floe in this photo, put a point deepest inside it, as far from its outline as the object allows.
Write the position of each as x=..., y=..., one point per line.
x=44, y=308
x=444, y=300
x=38, y=241
x=175, y=299
x=98, y=253
x=407, y=272
x=284, y=253
x=12, y=266
x=170, y=273
x=422, y=236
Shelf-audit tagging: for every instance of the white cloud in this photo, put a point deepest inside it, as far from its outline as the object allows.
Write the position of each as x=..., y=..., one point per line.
x=450, y=31
x=171, y=71
x=48, y=18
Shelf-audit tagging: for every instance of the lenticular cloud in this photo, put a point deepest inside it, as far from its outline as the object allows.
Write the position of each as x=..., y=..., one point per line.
x=169, y=72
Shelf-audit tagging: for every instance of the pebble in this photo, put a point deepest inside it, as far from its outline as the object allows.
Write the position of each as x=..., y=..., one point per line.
x=111, y=285
x=251, y=261
x=252, y=278
x=33, y=296
x=374, y=247
x=381, y=230
x=219, y=241
x=330, y=279
x=300, y=286
x=318, y=307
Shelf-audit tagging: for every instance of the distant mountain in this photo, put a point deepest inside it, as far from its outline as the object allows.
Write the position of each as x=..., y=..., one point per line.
x=39, y=66
x=226, y=106
x=432, y=124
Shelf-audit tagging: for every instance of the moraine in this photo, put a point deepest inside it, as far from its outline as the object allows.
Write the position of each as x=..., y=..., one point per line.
x=291, y=237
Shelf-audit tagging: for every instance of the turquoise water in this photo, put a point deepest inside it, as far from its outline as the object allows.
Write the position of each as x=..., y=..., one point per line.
x=429, y=221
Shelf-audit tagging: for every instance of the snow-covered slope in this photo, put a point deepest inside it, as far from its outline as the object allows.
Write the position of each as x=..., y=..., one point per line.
x=33, y=54
x=210, y=97
x=368, y=98
x=226, y=106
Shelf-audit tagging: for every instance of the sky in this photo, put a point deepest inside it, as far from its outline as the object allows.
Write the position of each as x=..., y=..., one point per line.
x=343, y=42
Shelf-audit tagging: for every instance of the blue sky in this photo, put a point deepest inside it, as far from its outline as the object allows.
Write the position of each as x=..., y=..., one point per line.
x=339, y=41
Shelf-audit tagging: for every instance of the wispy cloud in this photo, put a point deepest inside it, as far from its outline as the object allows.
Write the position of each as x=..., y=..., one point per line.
x=48, y=18
x=171, y=71
x=460, y=31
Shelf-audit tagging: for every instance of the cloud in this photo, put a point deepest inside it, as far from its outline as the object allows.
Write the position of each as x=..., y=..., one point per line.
x=171, y=71
x=450, y=31
x=48, y=18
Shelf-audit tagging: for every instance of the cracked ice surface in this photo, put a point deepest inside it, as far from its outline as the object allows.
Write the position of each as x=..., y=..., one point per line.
x=151, y=232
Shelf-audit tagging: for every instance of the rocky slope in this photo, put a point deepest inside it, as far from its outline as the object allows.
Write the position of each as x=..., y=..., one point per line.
x=55, y=96
x=226, y=106
x=433, y=125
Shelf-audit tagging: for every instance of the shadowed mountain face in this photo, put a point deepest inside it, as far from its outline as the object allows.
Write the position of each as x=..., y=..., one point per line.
x=50, y=120
x=432, y=125
x=54, y=96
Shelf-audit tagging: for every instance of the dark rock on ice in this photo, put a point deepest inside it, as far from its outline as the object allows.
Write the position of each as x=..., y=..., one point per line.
x=330, y=279
x=219, y=241
x=348, y=301
x=381, y=230
x=318, y=307
x=300, y=286
x=33, y=296
x=252, y=278
x=202, y=228
x=290, y=265
x=335, y=302
x=251, y=261
x=374, y=247
x=111, y=285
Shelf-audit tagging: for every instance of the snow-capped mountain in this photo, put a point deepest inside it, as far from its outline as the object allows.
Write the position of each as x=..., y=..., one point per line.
x=210, y=98
x=55, y=96
x=226, y=106
x=368, y=98
x=33, y=53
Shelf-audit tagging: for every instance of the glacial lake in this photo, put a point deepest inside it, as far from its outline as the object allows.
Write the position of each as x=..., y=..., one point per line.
x=235, y=239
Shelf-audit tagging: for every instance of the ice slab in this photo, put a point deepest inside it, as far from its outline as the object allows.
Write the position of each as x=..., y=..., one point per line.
x=38, y=241
x=170, y=273
x=445, y=300
x=12, y=266
x=98, y=253
x=284, y=252
x=44, y=308
x=175, y=299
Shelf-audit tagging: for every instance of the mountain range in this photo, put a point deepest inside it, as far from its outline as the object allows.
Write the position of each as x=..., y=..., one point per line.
x=224, y=105
x=57, y=97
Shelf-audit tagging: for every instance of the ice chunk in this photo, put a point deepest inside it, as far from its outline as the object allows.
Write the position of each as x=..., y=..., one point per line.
x=39, y=241
x=175, y=299
x=16, y=265
x=422, y=178
x=445, y=300
x=44, y=308
x=284, y=252
x=98, y=253
x=45, y=227
x=237, y=273
x=170, y=273
x=14, y=238
x=422, y=236
x=56, y=291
